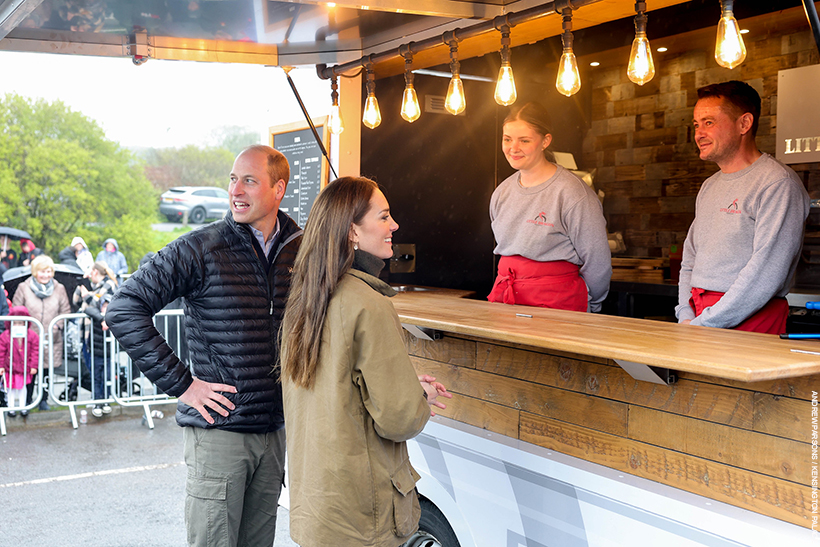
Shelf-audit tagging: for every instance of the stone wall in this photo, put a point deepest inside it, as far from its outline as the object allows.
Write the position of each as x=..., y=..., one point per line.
x=641, y=138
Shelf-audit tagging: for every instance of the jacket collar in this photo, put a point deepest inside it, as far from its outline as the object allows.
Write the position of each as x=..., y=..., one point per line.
x=375, y=283
x=288, y=229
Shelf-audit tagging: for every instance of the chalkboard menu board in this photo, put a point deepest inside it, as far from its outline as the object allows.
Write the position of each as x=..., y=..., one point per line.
x=308, y=168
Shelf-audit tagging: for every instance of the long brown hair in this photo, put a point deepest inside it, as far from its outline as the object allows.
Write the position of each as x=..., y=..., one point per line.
x=537, y=117
x=325, y=255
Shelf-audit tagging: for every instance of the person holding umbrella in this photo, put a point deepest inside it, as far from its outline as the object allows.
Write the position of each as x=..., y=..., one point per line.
x=27, y=252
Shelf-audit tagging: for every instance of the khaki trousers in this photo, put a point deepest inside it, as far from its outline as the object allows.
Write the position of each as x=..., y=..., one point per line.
x=232, y=492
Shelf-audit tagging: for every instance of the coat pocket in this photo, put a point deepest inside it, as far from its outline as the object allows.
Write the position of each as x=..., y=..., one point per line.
x=406, y=510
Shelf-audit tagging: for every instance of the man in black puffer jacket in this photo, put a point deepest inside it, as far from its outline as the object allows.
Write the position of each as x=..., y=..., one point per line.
x=234, y=275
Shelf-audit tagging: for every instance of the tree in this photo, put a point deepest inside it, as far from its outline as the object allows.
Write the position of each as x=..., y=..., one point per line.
x=60, y=177
x=235, y=138
x=188, y=166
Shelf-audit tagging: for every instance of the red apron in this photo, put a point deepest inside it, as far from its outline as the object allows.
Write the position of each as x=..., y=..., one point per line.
x=528, y=282
x=770, y=319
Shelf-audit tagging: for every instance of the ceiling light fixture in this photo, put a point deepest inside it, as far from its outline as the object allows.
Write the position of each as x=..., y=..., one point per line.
x=641, y=66
x=505, y=93
x=336, y=125
x=568, y=81
x=372, y=116
x=455, y=102
x=730, y=50
x=410, y=110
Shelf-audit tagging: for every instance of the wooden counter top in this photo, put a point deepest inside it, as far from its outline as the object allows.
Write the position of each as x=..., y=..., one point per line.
x=743, y=356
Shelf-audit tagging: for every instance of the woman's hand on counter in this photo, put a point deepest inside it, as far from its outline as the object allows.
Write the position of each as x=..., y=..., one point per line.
x=685, y=321
x=434, y=390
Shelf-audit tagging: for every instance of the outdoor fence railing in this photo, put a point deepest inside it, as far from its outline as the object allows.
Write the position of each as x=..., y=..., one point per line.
x=84, y=371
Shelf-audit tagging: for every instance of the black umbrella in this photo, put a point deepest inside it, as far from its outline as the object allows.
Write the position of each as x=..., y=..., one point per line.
x=69, y=276
x=12, y=233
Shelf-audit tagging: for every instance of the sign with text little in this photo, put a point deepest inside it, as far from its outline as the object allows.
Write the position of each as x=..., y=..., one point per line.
x=798, y=118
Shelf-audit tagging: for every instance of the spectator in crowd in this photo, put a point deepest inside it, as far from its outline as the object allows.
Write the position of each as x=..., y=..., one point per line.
x=92, y=303
x=27, y=252
x=98, y=358
x=112, y=256
x=4, y=303
x=8, y=259
x=3, y=263
x=77, y=254
x=19, y=360
x=45, y=298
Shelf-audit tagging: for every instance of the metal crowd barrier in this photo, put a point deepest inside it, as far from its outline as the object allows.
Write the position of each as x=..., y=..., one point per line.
x=142, y=392
x=73, y=383
x=122, y=381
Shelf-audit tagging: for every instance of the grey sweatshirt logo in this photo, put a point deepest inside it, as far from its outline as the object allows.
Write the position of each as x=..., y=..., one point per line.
x=732, y=209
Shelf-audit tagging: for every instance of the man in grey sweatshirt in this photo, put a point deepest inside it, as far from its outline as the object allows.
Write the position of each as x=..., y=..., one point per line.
x=741, y=251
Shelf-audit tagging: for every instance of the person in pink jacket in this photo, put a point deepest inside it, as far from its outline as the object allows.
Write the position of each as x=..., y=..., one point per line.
x=19, y=359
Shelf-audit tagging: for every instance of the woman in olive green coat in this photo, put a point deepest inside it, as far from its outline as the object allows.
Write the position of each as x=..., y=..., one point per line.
x=351, y=395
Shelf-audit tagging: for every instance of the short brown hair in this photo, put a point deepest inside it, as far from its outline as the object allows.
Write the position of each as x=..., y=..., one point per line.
x=742, y=98
x=278, y=166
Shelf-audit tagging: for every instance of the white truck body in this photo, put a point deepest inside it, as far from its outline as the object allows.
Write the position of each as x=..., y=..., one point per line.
x=496, y=491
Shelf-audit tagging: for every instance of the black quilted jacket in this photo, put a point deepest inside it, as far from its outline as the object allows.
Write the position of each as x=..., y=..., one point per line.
x=234, y=304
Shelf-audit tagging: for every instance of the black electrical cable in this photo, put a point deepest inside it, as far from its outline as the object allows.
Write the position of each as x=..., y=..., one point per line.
x=811, y=15
x=310, y=123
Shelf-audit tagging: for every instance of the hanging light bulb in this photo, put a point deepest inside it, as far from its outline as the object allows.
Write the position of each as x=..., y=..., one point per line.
x=568, y=81
x=730, y=50
x=641, y=67
x=372, y=116
x=410, y=109
x=335, y=124
x=455, y=102
x=505, y=93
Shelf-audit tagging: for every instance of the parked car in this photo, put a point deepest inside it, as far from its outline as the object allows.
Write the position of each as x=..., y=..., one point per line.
x=201, y=202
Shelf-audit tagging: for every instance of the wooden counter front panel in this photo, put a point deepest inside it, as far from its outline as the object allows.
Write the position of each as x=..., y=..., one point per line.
x=742, y=444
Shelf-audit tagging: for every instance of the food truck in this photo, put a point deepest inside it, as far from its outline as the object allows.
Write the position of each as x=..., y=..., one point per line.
x=565, y=429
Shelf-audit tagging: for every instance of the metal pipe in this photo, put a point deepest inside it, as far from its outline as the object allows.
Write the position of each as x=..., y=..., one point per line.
x=459, y=34
x=811, y=15
x=310, y=123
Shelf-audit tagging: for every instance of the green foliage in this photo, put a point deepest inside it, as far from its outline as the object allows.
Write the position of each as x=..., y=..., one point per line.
x=161, y=239
x=188, y=166
x=60, y=177
x=235, y=138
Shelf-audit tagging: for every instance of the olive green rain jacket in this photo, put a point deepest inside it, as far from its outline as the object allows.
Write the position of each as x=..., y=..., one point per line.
x=351, y=482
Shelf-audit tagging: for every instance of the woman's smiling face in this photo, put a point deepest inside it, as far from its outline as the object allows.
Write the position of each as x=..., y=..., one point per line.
x=523, y=146
x=375, y=234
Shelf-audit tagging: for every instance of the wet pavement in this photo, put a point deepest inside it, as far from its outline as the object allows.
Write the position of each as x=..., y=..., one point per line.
x=112, y=482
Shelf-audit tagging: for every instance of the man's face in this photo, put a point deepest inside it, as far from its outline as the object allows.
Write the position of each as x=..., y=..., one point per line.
x=253, y=200
x=717, y=133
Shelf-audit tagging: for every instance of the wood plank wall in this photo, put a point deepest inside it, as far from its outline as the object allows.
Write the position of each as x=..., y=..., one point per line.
x=641, y=140
x=743, y=444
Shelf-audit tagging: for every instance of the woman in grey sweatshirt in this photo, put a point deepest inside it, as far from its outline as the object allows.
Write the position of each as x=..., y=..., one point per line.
x=548, y=224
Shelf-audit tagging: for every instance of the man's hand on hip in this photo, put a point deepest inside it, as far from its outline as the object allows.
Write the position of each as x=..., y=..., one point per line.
x=202, y=394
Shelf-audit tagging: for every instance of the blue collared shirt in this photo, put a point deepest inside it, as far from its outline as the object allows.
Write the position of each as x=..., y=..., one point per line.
x=260, y=237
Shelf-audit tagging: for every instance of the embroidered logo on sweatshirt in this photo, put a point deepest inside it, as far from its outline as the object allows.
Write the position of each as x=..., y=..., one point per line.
x=732, y=209
x=541, y=220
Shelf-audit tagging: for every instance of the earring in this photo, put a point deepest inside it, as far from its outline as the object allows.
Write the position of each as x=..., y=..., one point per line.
x=355, y=246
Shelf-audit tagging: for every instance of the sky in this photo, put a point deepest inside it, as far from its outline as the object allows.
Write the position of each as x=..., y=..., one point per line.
x=164, y=104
